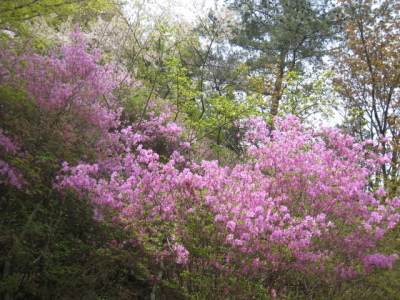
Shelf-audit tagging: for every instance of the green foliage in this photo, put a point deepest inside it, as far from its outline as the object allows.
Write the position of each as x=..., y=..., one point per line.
x=51, y=248
x=14, y=12
x=180, y=88
x=308, y=98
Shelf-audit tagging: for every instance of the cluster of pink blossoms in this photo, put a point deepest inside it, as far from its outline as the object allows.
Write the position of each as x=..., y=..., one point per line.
x=296, y=201
x=64, y=96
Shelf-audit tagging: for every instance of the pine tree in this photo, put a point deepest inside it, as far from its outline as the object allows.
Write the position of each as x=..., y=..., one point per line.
x=283, y=36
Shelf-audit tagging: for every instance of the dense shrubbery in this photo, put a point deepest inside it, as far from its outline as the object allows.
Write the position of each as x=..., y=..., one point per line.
x=94, y=205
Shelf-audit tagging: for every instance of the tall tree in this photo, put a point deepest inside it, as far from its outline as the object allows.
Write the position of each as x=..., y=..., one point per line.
x=367, y=74
x=282, y=36
x=219, y=74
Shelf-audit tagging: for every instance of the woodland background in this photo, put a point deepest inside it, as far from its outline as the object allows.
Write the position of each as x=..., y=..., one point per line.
x=146, y=154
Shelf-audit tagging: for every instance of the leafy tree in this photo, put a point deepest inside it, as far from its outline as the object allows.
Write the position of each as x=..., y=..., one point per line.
x=367, y=76
x=224, y=86
x=172, y=63
x=310, y=97
x=366, y=70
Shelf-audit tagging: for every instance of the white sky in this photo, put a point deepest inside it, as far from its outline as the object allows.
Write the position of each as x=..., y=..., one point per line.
x=185, y=9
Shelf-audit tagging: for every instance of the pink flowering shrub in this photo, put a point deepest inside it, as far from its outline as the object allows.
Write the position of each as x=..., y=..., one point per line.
x=61, y=106
x=62, y=100
x=297, y=202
